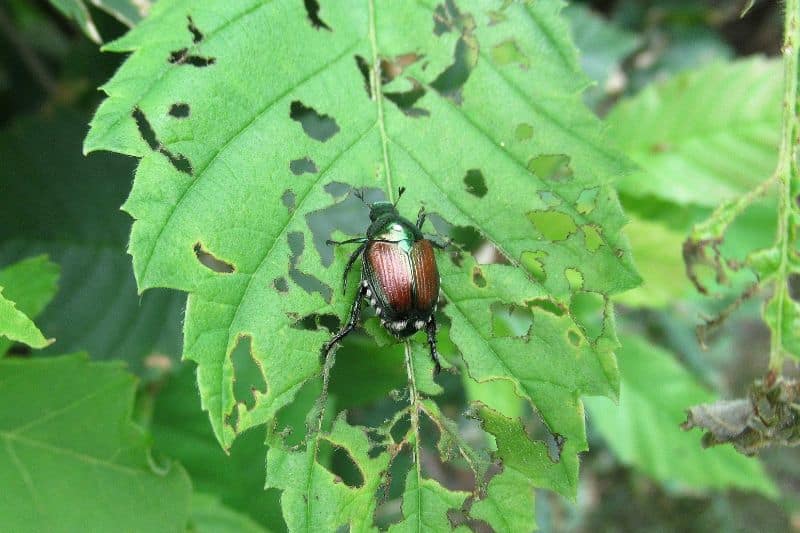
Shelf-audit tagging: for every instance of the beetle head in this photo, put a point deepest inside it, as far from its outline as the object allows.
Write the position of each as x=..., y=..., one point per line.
x=379, y=209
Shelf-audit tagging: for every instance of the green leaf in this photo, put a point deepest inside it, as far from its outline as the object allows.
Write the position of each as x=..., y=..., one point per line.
x=425, y=504
x=209, y=515
x=245, y=136
x=313, y=498
x=79, y=226
x=16, y=326
x=72, y=460
x=30, y=284
x=643, y=430
x=129, y=12
x=508, y=504
x=704, y=136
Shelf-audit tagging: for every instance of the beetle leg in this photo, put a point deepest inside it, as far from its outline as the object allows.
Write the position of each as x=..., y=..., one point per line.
x=348, y=241
x=431, y=329
x=350, y=326
x=350, y=262
x=421, y=217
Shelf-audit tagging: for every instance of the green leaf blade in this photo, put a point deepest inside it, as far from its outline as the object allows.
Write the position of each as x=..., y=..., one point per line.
x=54, y=461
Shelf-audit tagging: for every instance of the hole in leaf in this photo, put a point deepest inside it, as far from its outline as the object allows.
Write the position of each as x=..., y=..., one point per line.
x=342, y=464
x=537, y=430
x=587, y=200
x=179, y=161
x=550, y=198
x=509, y=320
x=349, y=215
x=280, y=284
x=523, y=132
x=442, y=18
x=555, y=445
x=574, y=278
x=183, y=57
x=197, y=35
x=508, y=52
x=548, y=305
x=315, y=321
x=405, y=100
x=466, y=237
x=400, y=429
x=477, y=277
x=555, y=167
x=289, y=199
x=393, y=68
x=305, y=165
x=318, y=127
x=452, y=79
x=247, y=375
x=793, y=286
x=363, y=68
x=179, y=110
x=306, y=281
x=475, y=183
x=588, y=310
x=553, y=225
x=574, y=337
x=312, y=9
x=532, y=261
x=449, y=83
x=592, y=237
x=212, y=262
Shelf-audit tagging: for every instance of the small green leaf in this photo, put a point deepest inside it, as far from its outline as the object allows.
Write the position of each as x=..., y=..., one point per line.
x=643, y=430
x=425, y=504
x=30, y=284
x=16, y=326
x=313, y=498
x=72, y=460
x=129, y=12
x=704, y=136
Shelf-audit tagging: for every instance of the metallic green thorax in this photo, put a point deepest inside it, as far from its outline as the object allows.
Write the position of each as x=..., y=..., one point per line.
x=388, y=225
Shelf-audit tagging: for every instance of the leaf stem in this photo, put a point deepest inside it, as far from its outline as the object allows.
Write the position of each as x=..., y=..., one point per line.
x=786, y=171
x=377, y=94
x=413, y=398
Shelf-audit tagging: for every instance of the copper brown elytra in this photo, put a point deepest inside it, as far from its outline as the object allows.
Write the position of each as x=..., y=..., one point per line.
x=399, y=276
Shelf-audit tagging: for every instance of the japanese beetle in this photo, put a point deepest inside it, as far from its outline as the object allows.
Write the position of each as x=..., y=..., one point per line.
x=399, y=276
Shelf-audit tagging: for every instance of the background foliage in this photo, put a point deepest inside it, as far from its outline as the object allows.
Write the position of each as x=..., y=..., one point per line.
x=684, y=113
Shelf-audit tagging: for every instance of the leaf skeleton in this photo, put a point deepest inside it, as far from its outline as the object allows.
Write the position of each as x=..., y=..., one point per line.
x=399, y=275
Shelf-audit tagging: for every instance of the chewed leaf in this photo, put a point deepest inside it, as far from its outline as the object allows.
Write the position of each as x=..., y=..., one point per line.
x=248, y=138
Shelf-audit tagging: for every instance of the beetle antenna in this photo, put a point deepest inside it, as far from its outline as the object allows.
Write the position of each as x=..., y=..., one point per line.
x=359, y=193
x=400, y=192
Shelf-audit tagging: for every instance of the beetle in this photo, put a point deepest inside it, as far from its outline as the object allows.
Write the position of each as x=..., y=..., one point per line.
x=399, y=275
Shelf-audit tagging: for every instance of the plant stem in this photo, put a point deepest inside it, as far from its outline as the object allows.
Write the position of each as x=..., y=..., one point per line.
x=413, y=398
x=377, y=93
x=786, y=171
